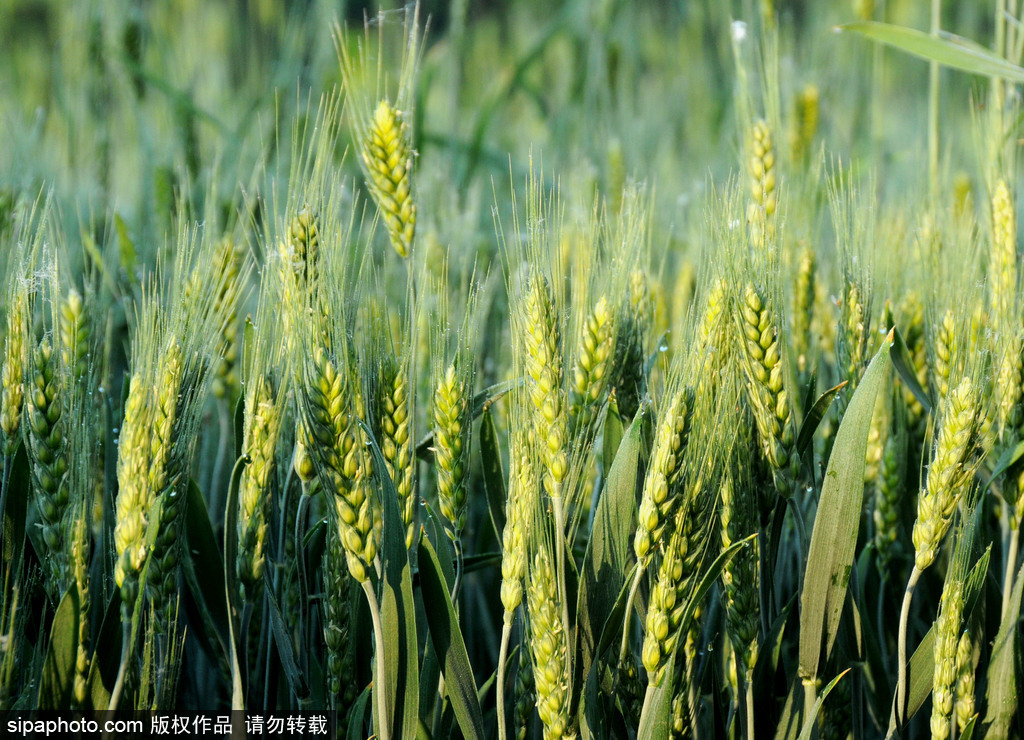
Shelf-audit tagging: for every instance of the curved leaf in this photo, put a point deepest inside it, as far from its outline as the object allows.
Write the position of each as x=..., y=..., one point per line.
x=947, y=49
x=809, y=723
x=58, y=676
x=460, y=685
x=398, y=610
x=837, y=523
x=813, y=419
x=608, y=554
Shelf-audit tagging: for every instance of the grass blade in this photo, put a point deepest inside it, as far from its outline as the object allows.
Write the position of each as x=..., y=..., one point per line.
x=1003, y=690
x=947, y=49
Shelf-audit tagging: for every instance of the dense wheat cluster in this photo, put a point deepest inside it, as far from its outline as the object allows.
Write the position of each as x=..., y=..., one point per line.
x=515, y=370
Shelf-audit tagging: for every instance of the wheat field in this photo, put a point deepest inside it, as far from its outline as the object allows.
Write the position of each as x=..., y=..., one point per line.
x=511, y=369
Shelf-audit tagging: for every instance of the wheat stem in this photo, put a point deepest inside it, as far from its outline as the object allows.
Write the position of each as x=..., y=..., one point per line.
x=901, y=656
x=380, y=682
x=506, y=632
x=1011, y=568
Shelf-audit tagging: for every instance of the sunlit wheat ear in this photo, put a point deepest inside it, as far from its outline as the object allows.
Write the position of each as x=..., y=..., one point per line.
x=663, y=484
x=75, y=334
x=15, y=361
x=387, y=160
x=802, y=314
x=1002, y=273
x=543, y=356
x=766, y=389
x=451, y=424
x=397, y=442
x=669, y=596
x=134, y=497
x=944, y=354
x=261, y=429
x=523, y=485
x=947, y=634
x=549, y=646
x=949, y=473
x=965, y=685
x=589, y=384
x=764, y=199
x=226, y=263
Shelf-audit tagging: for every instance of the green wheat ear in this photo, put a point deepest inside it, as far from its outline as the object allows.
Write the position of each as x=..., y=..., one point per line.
x=387, y=160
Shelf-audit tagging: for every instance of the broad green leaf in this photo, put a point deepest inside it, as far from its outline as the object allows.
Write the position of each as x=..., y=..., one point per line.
x=446, y=636
x=1003, y=688
x=398, y=610
x=58, y=676
x=613, y=432
x=230, y=586
x=609, y=555
x=482, y=401
x=813, y=419
x=900, y=357
x=494, y=473
x=947, y=49
x=202, y=550
x=837, y=523
x=809, y=722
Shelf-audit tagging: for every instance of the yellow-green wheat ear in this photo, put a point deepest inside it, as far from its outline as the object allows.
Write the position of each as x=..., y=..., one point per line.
x=803, y=309
x=545, y=370
x=589, y=383
x=15, y=359
x=663, y=484
x=805, y=122
x=133, y=496
x=396, y=441
x=260, y=436
x=951, y=469
x=387, y=158
x=764, y=199
x=550, y=649
x=304, y=245
x=226, y=264
x=944, y=354
x=965, y=685
x=75, y=334
x=1003, y=258
x=765, y=386
x=947, y=634
x=47, y=453
x=451, y=447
